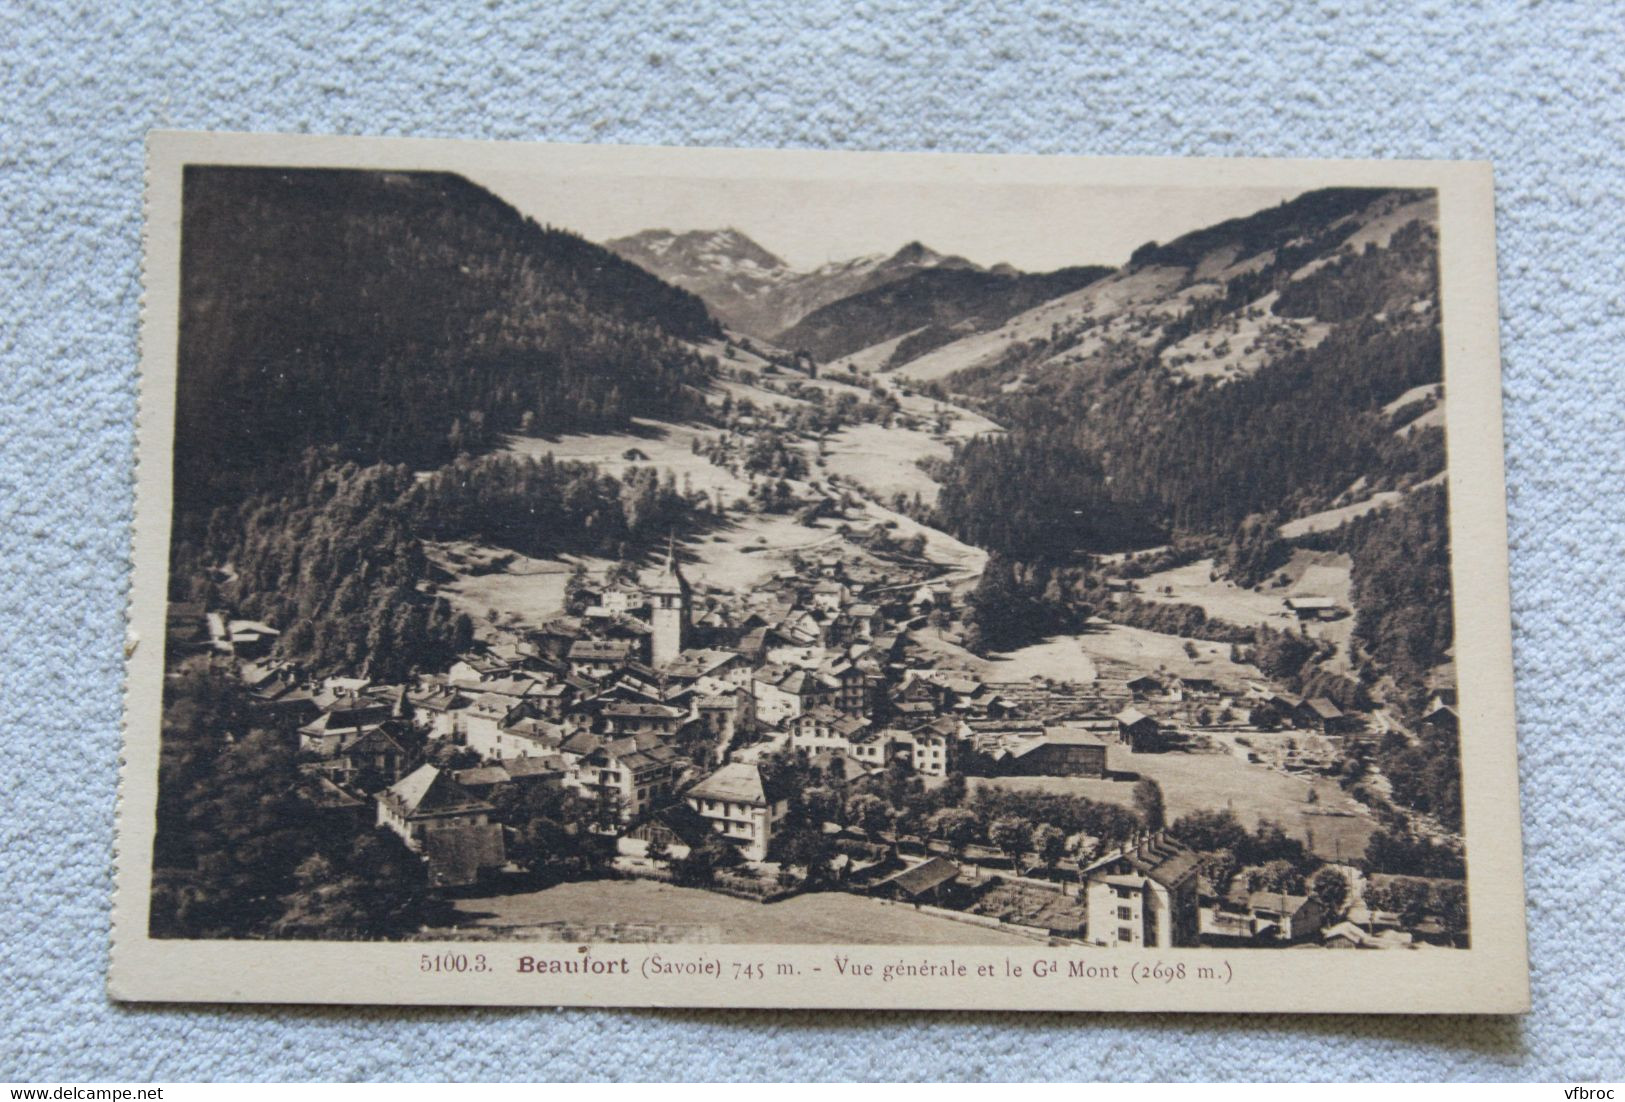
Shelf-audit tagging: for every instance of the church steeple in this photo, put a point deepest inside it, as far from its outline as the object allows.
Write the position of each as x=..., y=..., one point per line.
x=669, y=599
x=670, y=579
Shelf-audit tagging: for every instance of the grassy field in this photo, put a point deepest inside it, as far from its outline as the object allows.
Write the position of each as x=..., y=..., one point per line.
x=637, y=909
x=1202, y=782
x=1312, y=573
x=666, y=446
x=529, y=590
x=1151, y=651
x=884, y=461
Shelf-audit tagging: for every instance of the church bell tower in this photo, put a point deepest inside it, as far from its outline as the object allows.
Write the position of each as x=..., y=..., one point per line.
x=669, y=600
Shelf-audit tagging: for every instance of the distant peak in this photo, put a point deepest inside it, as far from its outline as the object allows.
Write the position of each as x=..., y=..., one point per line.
x=915, y=252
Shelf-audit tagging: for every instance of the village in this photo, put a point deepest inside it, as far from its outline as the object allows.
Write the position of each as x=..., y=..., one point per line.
x=744, y=745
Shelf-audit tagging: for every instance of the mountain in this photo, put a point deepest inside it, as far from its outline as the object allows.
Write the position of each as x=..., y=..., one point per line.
x=1257, y=367
x=403, y=318
x=1206, y=303
x=728, y=270
x=754, y=291
x=930, y=308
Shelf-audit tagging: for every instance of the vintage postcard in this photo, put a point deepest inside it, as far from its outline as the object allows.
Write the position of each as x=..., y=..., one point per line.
x=626, y=576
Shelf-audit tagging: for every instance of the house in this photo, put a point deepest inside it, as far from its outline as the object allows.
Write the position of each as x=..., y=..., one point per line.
x=552, y=700
x=806, y=627
x=723, y=711
x=933, y=750
x=1315, y=608
x=1281, y=917
x=440, y=819
x=848, y=687
x=1143, y=895
x=480, y=780
x=924, y=599
x=598, y=658
x=553, y=639
x=741, y=806
x=870, y=747
x=1320, y=714
x=1347, y=935
x=543, y=771
x=435, y=710
x=1057, y=752
x=677, y=826
x=634, y=774
x=1138, y=731
x=1442, y=718
x=814, y=730
x=517, y=738
x=345, y=718
x=830, y=595
x=622, y=599
x=782, y=694
x=866, y=619
x=250, y=638
x=695, y=663
x=371, y=759
x=335, y=808
x=479, y=726
x=1144, y=686
x=470, y=670
x=632, y=718
x=928, y=882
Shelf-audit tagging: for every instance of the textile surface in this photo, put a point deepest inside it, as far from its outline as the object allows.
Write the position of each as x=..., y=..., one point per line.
x=1536, y=88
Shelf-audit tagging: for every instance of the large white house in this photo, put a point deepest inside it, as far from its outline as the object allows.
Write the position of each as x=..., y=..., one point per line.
x=740, y=805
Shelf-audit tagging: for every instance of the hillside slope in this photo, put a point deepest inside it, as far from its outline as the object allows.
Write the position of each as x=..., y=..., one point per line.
x=399, y=317
x=754, y=291
x=1242, y=369
x=1205, y=304
x=931, y=307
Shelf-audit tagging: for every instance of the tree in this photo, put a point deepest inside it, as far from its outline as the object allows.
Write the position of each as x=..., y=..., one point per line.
x=1408, y=899
x=1450, y=905
x=1207, y=831
x=1148, y=801
x=658, y=853
x=955, y=825
x=1220, y=867
x=1013, y=836
x=1277, y=876
x=1331, y=889
x=807, y=848
x=822, y=805
x=1049, y=842
x=869, y=813
x=576, y=597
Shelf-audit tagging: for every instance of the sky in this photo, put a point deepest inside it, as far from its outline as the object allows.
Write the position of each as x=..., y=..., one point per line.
x=808, y=222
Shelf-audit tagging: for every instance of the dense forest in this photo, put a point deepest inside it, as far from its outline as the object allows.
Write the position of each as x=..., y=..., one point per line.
x=404, y=318
x=1121, y=451
x=942, y=304
x=1187, y=457
x=337, y=563
x=242, y=851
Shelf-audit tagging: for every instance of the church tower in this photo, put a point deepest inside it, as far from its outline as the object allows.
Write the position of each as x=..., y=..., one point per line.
x=669, y=600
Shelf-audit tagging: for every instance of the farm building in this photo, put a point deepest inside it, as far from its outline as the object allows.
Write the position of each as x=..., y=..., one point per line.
x=1315, y=608
x=1058, y=752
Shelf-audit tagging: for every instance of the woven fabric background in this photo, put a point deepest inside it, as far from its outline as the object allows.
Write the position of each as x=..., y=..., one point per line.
x=1535, y=87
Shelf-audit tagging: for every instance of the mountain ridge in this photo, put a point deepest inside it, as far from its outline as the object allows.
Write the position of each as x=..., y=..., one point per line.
x=753, y=290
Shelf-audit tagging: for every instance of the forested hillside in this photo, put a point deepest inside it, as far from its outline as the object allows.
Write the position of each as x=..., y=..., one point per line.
x=933, y=306
x=401, y=317
x=1116, y=442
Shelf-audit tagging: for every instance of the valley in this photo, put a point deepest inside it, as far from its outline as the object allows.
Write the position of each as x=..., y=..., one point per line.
x=932, y=568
